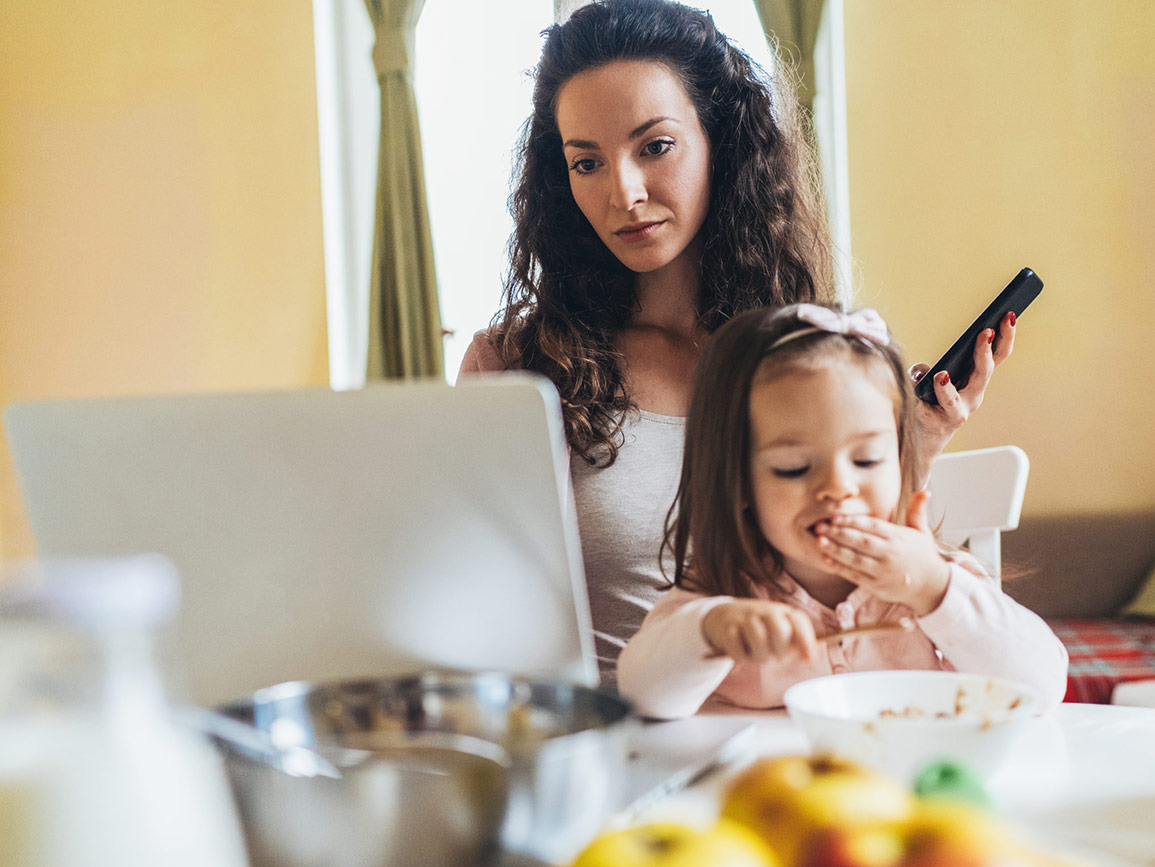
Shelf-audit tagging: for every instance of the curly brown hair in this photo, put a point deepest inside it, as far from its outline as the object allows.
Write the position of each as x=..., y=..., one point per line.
x=765, y=239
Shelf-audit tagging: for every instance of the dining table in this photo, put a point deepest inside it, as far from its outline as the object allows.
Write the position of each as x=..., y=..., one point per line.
x=1078, y=780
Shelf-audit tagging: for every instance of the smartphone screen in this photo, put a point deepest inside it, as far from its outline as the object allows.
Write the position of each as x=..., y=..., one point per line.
x=959, y=360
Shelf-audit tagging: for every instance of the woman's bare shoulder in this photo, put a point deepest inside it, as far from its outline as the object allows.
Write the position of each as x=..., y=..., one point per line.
x=485, y=354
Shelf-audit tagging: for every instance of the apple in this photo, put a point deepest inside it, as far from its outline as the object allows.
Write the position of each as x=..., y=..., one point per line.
x=943, y=832
x=858, y=846
x=951, y=780
x=789, y=800
x=725, y=844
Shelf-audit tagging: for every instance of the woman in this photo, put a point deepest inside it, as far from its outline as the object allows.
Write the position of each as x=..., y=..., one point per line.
x=664, y=187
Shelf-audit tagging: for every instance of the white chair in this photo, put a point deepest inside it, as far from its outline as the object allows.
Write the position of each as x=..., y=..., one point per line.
x=976, y=495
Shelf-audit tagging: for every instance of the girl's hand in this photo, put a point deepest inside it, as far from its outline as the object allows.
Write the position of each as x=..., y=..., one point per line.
x=895, y=563
x=937, y=424
x=755, y=630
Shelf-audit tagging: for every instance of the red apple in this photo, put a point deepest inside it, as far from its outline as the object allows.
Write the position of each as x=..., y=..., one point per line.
x=875, y=846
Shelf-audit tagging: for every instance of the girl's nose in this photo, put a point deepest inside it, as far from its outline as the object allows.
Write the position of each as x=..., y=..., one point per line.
x=629, y=187
x=837, y=485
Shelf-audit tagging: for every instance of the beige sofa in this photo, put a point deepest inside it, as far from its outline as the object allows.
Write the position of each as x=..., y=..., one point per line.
x=1080, y=572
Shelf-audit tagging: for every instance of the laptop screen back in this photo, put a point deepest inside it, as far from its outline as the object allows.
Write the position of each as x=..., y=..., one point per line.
x=324, y=535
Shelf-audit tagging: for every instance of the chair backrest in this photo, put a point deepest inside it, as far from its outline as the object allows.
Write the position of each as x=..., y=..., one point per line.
x=975, y=495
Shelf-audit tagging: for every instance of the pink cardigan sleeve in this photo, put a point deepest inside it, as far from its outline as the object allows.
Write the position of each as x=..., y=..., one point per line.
x=979, y=628
x=666, y=669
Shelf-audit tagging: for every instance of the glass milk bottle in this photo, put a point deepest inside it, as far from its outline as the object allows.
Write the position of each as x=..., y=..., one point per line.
x=93, y=771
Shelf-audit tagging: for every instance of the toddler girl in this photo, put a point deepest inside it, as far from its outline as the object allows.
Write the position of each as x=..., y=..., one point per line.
x=797, y=517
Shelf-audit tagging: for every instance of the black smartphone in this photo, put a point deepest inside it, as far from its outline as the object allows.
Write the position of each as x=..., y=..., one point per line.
x=959, y=360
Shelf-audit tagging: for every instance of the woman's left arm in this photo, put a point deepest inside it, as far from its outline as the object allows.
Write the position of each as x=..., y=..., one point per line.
x=937, y=424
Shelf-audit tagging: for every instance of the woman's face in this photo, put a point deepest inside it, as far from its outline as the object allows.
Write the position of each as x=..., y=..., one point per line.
x=638, y=159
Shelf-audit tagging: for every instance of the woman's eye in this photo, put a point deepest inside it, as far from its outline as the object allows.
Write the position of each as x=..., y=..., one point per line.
x=867, y=463
x=583, y=167
x=658, y=147
x=792, y=473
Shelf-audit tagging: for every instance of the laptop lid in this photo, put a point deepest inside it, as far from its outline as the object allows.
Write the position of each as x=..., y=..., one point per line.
x=322, y=534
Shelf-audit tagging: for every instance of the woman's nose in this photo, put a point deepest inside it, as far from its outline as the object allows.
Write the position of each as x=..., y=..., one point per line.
x=629, y=187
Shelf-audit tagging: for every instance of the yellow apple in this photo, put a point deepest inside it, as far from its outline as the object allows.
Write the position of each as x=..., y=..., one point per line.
x=942, y=832
x=725, y=844
x=789, y=800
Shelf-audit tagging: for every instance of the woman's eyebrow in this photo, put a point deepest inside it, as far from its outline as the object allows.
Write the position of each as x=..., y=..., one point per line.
x=642, y=128
x=636, y=132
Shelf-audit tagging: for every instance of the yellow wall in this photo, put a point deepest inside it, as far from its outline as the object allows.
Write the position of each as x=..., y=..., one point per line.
x=160, y=218
x=992, y=134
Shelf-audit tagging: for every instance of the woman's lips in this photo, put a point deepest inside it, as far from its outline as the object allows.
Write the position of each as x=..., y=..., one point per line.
x=640, y=232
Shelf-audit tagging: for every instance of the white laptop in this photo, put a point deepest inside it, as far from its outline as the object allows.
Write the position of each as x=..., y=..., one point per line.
x=323, y=534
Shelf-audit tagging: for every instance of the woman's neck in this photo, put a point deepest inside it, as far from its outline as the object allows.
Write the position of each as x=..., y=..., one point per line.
x=668, y=297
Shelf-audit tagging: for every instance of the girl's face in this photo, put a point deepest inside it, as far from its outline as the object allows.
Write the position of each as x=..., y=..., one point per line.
x=638, y=158
x=823, y=441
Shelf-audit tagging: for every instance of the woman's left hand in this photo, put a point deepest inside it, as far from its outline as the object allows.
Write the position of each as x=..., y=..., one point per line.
x=895, y=563
x=937, y=424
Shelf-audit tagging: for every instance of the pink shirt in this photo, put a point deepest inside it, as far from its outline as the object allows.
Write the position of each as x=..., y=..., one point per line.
x=668, y=672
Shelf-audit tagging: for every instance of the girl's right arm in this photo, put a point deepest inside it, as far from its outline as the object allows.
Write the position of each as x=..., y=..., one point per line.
x=668, y=669
x=689, y=644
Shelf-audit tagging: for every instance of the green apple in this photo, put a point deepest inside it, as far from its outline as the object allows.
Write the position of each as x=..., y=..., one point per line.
x=951, y=780
x=724, y=844
x=789, y=800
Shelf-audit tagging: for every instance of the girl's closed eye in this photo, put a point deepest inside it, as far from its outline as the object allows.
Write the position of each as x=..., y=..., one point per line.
x=867, y=463
x=790, y=472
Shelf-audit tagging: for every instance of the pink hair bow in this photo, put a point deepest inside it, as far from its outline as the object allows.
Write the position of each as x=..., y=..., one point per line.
x=865, y=323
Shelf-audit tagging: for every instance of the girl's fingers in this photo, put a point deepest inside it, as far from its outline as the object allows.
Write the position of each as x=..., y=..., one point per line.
x=855, y=530
x=735, y=645
x=858, y=553
x=805, y=642
x=757, y=639
x=916, y=512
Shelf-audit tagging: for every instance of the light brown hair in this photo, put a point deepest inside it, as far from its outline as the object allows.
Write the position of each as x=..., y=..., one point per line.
x=711, y=529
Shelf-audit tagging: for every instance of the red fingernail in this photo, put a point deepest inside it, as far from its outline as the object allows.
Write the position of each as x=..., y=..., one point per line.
x=1011, y=316
x=991, y=336
x=944, y=378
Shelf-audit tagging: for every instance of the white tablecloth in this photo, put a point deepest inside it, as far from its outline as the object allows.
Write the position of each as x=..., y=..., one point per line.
x=1081, y=780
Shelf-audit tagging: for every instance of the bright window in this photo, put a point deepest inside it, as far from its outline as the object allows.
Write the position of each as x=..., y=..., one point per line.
x=473, y=84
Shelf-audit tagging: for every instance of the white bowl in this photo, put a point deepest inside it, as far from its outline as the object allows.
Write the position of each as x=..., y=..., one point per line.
x=898, y=722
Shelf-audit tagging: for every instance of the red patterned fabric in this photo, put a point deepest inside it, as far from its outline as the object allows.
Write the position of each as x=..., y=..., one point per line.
x=1105, y=652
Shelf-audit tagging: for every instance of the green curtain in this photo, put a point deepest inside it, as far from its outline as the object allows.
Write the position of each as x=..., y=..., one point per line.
x=795, y=25
x=405, y=334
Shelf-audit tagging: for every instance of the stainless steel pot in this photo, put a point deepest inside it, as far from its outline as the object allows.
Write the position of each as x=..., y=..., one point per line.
x=439, y=768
